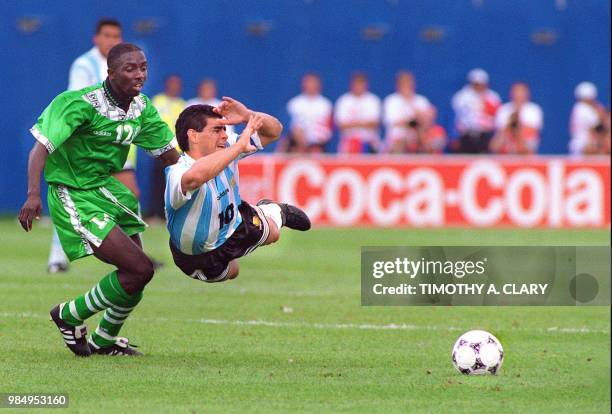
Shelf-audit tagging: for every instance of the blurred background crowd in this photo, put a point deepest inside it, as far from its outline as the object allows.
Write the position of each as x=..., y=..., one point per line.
x=405, y=122
x=348, y=77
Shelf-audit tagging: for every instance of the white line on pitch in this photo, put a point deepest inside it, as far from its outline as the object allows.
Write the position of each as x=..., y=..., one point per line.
x=272, y=324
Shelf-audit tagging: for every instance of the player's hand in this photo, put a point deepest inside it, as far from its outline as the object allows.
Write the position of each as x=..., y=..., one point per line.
x=234, y=112
x=31, y=210
x=255, y=122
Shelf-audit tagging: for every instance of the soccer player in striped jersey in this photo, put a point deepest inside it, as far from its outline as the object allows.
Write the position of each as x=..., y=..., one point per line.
x=83, y=138
x=210, y=225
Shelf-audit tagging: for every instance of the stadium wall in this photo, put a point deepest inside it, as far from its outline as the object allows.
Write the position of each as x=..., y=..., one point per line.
x=258, y=50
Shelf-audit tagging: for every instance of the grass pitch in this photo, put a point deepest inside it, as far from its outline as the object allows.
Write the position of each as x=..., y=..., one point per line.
x=289, y=335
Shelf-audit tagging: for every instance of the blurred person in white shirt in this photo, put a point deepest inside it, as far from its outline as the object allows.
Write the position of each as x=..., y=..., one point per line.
x=207, y=95
x=405, y=116
x=518, y=123
x=357, y=116
x=91, y=68
x=589, y=122
x=475, y=106
x=310, y=115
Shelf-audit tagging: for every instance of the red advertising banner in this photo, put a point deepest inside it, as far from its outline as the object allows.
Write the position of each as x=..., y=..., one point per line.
x=436, y=191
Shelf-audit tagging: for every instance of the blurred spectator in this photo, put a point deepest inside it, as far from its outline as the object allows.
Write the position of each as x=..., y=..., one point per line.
x=90, y=68
x=600, y=141
x=433, y=139
x=406, y=116
x=169, y=104
x=207, y=94
x=589, y=122
x=518, y=123
x=310, y=115
x=475, y=106
x=357, y=116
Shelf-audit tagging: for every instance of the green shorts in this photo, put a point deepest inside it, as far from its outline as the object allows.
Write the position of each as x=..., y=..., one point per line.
x=83, y=218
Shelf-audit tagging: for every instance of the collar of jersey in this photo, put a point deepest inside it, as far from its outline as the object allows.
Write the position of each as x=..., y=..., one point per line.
x=109, y=95
x=110, y=110
x=187, y=159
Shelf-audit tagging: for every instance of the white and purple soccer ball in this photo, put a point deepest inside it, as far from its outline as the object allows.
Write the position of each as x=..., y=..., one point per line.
x=478, y=353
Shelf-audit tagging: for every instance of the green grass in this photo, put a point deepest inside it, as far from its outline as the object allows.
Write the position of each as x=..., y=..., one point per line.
x=313, y=348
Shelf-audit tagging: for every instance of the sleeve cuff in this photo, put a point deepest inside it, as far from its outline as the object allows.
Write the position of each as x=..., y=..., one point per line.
x=159, y=151
x=42, y=139
x=255, y=140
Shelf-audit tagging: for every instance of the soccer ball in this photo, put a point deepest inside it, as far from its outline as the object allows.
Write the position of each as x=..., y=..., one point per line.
x=477, y=353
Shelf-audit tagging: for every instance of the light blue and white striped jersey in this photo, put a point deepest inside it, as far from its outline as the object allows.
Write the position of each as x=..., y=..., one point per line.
x=88, y=69
x=203, y=219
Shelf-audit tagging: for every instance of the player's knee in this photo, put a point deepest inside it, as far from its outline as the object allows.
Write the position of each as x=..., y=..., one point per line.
x=144, y=271
x=234, y=270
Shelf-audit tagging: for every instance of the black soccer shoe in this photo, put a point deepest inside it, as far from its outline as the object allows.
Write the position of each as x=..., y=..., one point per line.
x=120, y=348
x=57, y=267
x=75, y=337
x=156, y=264
x=292, y=217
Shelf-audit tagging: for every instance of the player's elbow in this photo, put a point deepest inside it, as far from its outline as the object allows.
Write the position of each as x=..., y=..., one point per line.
x=279, y=129
x=274, y=131
x=190, y=182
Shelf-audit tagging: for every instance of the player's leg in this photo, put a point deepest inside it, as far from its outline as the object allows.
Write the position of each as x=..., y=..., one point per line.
x=260, y=225
x=58, y=262
x=284, y=215
x=117, y=294
x=274, y=223
x=88, y=222
x=134, y=271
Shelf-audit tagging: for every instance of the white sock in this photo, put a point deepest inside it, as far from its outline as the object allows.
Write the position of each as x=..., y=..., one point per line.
x=57, y=255
x=273, y=211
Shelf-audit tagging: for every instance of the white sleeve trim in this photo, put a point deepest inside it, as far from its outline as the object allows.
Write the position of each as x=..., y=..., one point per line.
x=255, y=140
x=42, y=139
x=160, y=151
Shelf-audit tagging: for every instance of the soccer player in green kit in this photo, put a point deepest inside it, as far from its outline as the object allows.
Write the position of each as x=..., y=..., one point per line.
x=83, y=137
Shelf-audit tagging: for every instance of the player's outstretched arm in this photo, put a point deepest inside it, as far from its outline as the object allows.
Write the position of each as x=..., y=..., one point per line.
x=208, y=167
x=32, y=207
x=235, y=112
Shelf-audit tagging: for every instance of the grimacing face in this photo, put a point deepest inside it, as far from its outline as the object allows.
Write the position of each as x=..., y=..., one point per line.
x=211, y=139
x=108, y=37
x=129, y=74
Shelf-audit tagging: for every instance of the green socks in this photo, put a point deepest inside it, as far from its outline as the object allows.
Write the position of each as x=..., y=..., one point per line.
x=107, y=295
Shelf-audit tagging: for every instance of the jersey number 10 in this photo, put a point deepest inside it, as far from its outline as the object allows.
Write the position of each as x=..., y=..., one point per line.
x=225, y=217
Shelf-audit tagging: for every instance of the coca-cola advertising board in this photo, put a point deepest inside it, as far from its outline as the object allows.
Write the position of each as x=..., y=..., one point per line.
x=437, y=191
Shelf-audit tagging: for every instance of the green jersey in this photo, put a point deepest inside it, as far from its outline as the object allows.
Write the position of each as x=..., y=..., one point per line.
x=88, y=137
